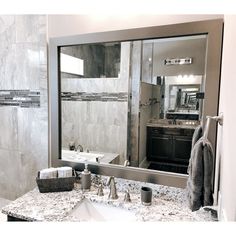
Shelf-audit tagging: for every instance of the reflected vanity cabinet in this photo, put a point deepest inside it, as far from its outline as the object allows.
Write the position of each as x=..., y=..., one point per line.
x=169, y=149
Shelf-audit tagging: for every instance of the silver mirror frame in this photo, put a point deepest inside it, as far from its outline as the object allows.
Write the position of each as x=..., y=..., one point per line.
x=214, y=31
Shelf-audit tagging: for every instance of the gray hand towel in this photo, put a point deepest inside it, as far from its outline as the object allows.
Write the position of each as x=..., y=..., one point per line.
x=199, y=184
x=196, y=135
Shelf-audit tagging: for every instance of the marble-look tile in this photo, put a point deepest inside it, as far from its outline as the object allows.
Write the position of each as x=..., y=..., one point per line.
x=8, y=65
x=7, y=30
x=147, y=61
x=21, y=170
x=27, y=74
x=125, y=63
x=30, y=28
x=32, y=143
x=135, y=90
x=145, y=116
x=43, y=55
x=9, y=174
x=8, y=128
x=98, y=126
x=33, y=131
x=24, y=145
x=43, y=84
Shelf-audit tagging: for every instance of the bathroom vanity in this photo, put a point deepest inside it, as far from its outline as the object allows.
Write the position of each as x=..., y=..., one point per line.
x=169, y=145
x=168, y=204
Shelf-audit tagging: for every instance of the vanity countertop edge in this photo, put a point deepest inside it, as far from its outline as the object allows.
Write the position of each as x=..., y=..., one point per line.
x=168, y=203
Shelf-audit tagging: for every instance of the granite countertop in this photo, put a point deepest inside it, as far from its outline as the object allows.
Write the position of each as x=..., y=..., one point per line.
x=168, y=203
x=170, y=126
x=180, y=124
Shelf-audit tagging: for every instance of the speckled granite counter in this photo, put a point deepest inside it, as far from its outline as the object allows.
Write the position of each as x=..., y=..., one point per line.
x=169, y=203
x=171, y=126
x=180, y=124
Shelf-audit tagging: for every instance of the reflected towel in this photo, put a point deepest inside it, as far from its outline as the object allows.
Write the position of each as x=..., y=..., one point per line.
x=199, y=183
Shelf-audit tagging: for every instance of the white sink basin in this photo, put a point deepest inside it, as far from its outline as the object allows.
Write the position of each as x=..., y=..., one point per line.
x=91, y=211
x=81, y=156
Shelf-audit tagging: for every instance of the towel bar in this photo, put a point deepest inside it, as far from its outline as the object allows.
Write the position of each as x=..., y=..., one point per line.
x=219, y=118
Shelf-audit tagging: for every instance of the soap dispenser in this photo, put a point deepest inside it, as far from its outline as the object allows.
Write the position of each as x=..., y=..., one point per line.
x=86, y=178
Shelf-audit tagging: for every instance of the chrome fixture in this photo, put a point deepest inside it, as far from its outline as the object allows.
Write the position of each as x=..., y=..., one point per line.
x=126, y=163
x=97, y=180
x=80, y=148
x=100, y=190
x=218, y=119
x=113, y=191
x=174, y=121
x=127, y=196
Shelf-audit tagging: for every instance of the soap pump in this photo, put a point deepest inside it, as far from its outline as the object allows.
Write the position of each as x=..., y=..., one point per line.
x=86, y=178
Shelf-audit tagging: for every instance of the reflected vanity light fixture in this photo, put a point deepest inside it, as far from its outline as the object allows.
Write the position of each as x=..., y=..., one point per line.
x=178, y=61
x=71, y=65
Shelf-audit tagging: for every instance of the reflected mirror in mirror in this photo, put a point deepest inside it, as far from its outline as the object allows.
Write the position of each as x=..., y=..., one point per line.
x=145, y=111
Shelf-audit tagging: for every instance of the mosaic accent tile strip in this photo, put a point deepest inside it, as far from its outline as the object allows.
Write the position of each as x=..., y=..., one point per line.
x=21, y=98
x=103, y=97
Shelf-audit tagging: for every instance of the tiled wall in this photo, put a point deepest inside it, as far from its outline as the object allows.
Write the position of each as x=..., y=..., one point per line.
x=23, y=124
x=102, y=97
x=21, y=98
x=95, y=111
x=99, y=59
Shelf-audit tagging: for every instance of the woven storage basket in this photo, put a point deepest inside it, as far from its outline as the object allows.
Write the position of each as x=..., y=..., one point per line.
x=55, y=184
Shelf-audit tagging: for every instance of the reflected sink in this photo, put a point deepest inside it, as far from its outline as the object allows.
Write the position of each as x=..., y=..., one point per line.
x=91, y=211
x=81, y=156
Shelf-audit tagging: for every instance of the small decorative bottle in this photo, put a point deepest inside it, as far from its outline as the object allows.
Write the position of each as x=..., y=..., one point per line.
x=86, y=178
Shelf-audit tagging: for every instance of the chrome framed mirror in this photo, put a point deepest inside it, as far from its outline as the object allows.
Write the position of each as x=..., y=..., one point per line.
x=103, y=85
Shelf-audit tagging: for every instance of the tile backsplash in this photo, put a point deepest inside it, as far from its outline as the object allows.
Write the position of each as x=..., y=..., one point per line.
x=102, y=97
x=21, y=98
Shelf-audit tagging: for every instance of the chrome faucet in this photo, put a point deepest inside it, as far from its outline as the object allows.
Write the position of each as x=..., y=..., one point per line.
x=113, y=191
x=174, y=121
x=80, y=148
x=126, y=163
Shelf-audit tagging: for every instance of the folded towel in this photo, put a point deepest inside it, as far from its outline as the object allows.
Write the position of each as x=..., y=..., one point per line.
x=65, y=171
x=196, y=135
x=199, y=183
x=48, y=173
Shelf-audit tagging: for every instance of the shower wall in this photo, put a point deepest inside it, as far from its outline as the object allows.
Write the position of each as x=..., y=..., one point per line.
x=23, y=102
x=95, y=111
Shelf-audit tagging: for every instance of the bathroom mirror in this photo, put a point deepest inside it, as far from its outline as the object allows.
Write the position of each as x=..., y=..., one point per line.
x=135, y=80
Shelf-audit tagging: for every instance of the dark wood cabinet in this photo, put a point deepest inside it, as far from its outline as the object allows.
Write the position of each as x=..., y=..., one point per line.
x=169, y=148
x=181, y=148
x=163, y=142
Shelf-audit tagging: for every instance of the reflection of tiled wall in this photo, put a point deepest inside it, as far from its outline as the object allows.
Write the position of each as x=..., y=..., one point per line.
x=95, y=111
x=97, y=126
x=99, y=60
x=102, y=97
x=23, y=131
x=21, y=98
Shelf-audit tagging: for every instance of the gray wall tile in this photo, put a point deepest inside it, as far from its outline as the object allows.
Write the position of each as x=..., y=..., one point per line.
x=8, y=128
x=23, y=131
